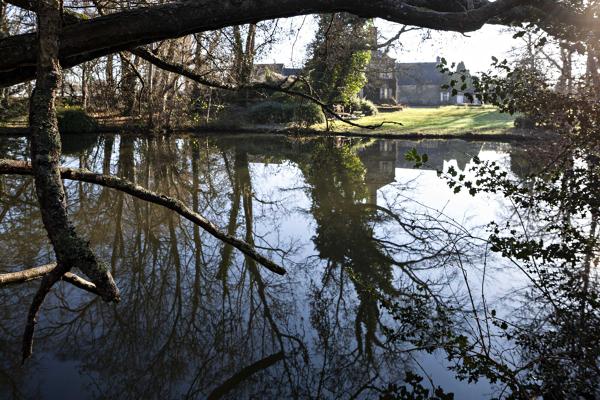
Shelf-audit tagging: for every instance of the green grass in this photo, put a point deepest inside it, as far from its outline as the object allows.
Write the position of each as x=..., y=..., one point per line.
x=443, y=120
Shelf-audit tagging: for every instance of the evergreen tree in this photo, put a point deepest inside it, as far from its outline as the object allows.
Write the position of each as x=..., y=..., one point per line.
x=339, y=56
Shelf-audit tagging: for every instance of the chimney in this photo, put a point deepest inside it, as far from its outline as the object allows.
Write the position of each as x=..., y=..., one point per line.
x=373, y=33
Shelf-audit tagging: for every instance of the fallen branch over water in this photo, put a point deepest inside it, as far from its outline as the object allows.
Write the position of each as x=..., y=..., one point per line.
x=27, y=275
x=24, y=168
x=39, y=272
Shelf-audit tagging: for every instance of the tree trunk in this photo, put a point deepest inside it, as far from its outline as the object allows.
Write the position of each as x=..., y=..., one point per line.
x=71, y=251
x=5, y=100
x=127, y=85
x=110, y=94
x=3, y=27
x=593, y=75
x=84, y=86
x=248, y=65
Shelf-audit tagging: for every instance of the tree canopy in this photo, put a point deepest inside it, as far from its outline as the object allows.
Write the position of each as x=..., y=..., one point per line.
x=84, y=40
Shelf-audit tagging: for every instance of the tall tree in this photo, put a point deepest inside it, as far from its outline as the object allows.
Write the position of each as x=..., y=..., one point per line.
x=339, y=57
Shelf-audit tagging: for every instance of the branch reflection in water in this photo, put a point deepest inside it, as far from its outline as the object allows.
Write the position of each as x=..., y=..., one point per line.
x=392, y=286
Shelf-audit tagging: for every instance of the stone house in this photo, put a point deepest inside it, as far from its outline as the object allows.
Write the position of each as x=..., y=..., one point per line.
x=262, y=71
x=414, y=84
x=420, y=84
x=382, y=81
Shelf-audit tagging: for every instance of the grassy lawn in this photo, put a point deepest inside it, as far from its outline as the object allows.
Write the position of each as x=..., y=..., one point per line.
x=442, y=120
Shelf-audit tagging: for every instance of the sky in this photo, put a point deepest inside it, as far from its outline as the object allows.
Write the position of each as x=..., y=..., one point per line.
x=476, y=49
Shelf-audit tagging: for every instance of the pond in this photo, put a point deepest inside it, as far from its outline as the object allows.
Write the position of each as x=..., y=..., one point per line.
x=392, y=287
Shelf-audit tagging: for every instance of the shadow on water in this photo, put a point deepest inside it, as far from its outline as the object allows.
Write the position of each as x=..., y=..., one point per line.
x=394, y=287
x=76, y=144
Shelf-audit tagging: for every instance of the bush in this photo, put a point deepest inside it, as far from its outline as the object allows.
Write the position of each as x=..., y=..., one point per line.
x=75, y=120
x=363, y=105
x=308, y=113
x=17, y=110
x=523, y=122
x=367, y=107
x=281, y=112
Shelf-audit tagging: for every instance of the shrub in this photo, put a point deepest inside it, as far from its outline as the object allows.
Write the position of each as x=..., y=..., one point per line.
x=282, y=112
x=308, y=113
x=367, y=107
x=354, y=104
x=75, y=120
x=524, y=122
x=363, y=105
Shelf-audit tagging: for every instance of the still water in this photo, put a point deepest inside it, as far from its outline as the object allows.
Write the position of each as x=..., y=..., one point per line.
x=373, y=249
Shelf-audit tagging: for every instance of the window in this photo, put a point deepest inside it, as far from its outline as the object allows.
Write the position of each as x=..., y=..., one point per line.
x=386, y=167
x=385, y=93
x=445, y=96
x=386, y=75
x=386, y=146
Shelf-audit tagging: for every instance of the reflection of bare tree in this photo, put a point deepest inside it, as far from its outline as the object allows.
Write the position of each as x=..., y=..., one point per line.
x=391, y=280
x=191, y=315
x=382, y=255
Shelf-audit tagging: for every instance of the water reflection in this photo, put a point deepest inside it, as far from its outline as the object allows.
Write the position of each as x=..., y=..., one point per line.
x=389, y=272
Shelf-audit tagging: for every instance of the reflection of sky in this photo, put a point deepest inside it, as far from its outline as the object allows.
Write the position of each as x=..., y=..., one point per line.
x=421, y=191
x=282, y=218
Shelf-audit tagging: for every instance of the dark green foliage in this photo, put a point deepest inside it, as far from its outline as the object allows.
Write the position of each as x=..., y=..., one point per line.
x=419, y=159
x=74, y=120
x=283, y=112
x=339, y=56
x=524, y=123
x=363, y=105
x=414, y=390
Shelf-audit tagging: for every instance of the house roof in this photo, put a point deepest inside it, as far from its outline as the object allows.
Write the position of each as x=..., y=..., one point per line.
x=280, y=69
x=425, y=73
x=277, y=68
x=291, y=71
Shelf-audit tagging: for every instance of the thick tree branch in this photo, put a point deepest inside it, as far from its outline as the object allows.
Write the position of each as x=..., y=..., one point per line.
x=22, y=168
x=126, y=30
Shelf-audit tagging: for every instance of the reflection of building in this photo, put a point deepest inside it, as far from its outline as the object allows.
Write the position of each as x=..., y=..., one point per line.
x=438, y=152
x=379, y=160
x=383, y=157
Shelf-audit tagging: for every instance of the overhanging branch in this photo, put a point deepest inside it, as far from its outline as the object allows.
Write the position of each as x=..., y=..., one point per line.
x=126, y=30
x=23, y=168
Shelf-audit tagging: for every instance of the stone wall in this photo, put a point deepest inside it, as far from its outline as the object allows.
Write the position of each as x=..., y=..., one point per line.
x=419, y=95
